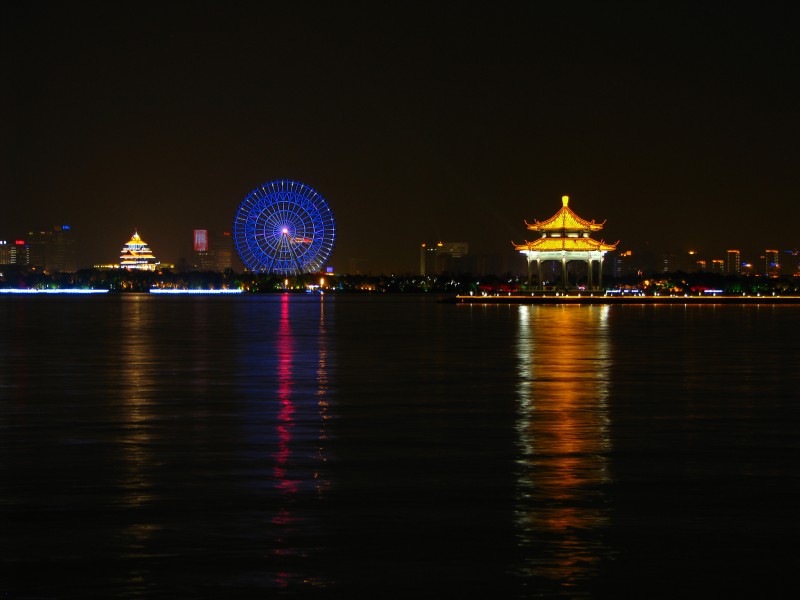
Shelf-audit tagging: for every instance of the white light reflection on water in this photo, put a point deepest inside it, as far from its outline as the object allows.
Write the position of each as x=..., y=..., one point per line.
x=323, y=484
x=136, y=369
x=561, y=509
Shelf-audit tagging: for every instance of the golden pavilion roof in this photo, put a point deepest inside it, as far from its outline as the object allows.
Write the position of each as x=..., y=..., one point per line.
x=565, y=220
x=136, y=240
x=565, y=232
x=568, y=244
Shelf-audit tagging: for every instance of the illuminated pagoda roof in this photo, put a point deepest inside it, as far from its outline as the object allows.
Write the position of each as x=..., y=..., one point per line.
x=565, y=220
x=568, y=244
x=565, y=232
x=137, y=255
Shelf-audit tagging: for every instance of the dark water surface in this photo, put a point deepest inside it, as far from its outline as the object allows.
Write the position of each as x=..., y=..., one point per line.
x=237, y=447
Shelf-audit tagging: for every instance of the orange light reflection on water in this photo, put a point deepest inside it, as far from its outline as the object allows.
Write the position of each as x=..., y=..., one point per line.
x=563, y=437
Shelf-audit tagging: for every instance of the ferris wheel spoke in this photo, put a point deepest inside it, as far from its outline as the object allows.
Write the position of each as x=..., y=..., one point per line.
x=271, y=258
x=301, y=266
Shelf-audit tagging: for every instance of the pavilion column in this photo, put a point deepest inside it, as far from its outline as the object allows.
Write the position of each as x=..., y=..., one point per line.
x=564, y=272
x=600, y=275
x=539, y=273
x=528, y=256
x=589, y=265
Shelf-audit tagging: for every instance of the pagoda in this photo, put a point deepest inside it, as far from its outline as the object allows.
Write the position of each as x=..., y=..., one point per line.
x=136, y=254
x=566, y=237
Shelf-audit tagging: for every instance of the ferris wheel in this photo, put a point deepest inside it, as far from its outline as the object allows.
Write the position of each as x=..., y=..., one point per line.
x=284, y=227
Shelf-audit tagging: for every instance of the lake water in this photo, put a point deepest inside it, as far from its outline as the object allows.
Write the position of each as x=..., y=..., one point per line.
x=342, y=446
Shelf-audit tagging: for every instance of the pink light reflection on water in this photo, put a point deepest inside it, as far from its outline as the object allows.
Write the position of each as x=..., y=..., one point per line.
x=288, y=486
x=285, y=416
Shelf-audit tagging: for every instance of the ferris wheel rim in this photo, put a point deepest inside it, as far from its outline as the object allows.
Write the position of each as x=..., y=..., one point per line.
x=284, y=226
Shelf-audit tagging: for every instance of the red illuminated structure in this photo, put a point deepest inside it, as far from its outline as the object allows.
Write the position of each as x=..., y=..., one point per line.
x=201, y=240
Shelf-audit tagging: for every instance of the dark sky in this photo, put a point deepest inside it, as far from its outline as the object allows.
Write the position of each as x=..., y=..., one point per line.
x=416, y=122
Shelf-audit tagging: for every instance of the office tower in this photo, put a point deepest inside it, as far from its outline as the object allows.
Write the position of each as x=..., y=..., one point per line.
x=37, y=248
x=427, y=259
x=443, y=257
x=212, y=251
x=60, y=252
x=733, y=262
x=772, y=263
x=53, y=251
x=622, y=263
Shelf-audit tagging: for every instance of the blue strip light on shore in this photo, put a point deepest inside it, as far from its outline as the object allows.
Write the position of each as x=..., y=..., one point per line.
x=58, y=291
x=176, y=291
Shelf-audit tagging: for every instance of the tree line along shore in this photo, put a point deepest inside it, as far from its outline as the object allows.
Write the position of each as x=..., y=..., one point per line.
x=122, y=280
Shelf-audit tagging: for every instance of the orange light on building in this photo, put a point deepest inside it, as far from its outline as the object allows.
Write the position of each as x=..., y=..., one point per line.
x=136, y=255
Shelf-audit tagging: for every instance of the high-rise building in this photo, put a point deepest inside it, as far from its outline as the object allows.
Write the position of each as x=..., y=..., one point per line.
x=222, y=244
x=789, y=262
x=5, y=253
x=212, y=251
x=717, y=265
x=733, y=262
x=20, y=253
x=669, y=262
x=452, y=257
x=443, y=257
x=60, y=250
x=52, y=250
x=772, y=263
x=427, y=259
x=690, y=262
x=623, y=263
x=37, y=248
x=201, y=257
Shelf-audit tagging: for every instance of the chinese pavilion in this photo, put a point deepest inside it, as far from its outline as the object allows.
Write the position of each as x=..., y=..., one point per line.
x=137, y=255
x=566, y=237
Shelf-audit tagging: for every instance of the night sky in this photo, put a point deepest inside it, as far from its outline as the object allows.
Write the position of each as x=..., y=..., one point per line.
x=417, y=122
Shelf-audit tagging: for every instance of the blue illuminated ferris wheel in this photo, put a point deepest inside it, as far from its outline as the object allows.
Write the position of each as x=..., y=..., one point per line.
x=284, y=227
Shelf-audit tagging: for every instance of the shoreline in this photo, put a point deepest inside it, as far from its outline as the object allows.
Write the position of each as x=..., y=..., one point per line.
x=616, y=299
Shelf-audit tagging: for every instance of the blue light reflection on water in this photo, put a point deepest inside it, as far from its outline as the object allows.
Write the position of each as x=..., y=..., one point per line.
x=284, y=369
x=153, y=435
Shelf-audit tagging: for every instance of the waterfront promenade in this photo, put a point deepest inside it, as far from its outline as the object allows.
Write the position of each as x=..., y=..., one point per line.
x=597, y=298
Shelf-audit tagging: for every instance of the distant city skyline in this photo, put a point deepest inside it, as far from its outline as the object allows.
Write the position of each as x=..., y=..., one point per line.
x=426, y=122
x=647, y=258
